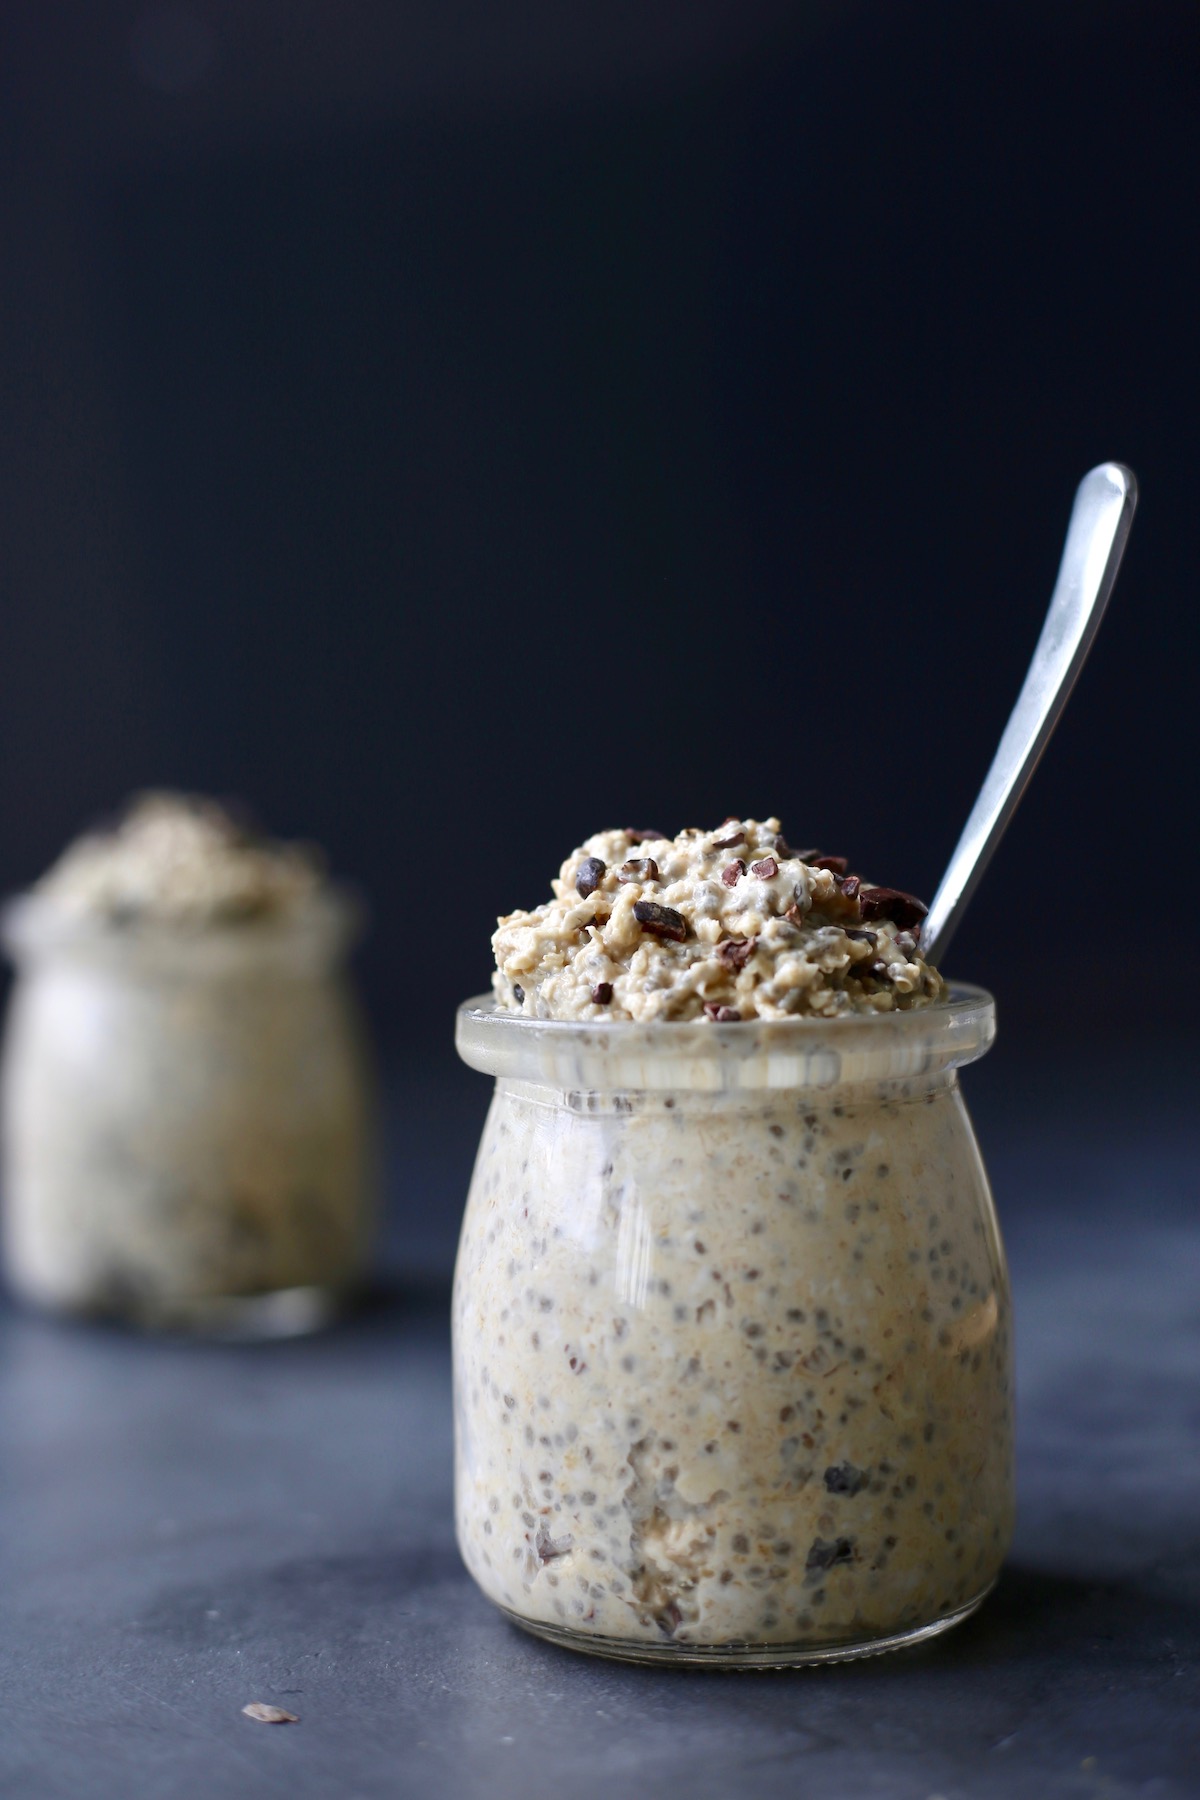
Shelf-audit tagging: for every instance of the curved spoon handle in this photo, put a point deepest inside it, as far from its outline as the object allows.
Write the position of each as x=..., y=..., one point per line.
x=1100, y=521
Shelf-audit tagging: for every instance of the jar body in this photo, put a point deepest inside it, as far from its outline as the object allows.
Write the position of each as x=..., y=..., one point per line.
x=733, y=1369
x=186, y=1140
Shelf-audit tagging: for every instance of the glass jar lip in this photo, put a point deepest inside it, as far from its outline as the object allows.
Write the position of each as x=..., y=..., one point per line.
x=790, y=1052
x=35, y=926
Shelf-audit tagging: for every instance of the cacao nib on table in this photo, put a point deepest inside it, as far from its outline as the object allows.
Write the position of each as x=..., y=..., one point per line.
x=660, y=921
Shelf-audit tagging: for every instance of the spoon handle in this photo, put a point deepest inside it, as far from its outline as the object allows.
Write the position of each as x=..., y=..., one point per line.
x=1100, y=521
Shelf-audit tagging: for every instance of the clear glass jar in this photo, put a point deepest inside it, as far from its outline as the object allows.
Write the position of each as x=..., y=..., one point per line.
x=186, y=1115
x=732, y=1340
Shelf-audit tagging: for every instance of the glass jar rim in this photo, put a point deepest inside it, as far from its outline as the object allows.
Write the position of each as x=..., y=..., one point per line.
x=802, y=1053
x=34, y=927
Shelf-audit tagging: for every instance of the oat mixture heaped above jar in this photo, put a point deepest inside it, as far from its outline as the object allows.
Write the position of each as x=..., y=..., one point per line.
x=180, y=859
x=727, y=924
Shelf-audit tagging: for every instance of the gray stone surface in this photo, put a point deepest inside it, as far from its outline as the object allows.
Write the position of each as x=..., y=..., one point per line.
x=187, y=1528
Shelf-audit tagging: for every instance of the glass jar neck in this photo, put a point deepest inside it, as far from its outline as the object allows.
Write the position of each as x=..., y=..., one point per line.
x=39, y=934
x=859, y=1053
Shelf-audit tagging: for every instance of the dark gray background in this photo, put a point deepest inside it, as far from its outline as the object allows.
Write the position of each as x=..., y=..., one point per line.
x=454, y=430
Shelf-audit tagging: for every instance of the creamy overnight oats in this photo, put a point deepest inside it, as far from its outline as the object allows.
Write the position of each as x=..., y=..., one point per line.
x=723, y=924
x=186, y=1105
x=732, y=1330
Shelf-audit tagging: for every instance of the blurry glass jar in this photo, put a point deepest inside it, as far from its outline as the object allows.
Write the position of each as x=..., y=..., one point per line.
x=186, y=1116
x=733, y=1367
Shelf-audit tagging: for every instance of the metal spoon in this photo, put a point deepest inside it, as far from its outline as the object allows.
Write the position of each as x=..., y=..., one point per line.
x=1096, y=536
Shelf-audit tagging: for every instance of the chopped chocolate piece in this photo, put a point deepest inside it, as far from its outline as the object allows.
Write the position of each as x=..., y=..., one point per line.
x=591, y=874
x=844, y=1478
x=862, y=937
x=766, y=870
x=728, y=843
x=660, y=921
x=639, y=869
x=824, y=1553
x=849, y=885
x=644, y=837
x=269, y=1715
x=732, y=873
x=602, y=993
x=721, y=1015
x=903, y=909
x=735, y=953
x=837, y=865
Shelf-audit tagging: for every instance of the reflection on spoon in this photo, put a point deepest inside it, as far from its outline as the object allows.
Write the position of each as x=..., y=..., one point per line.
x=1096, y=536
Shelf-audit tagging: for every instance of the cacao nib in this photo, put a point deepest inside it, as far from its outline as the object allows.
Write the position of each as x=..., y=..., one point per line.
x=732, y=873
x=602, y=993
x=844, y=1478
x=837, y=865
x=793, y=915
x=824, y=1552
x=849, y=885
x=645, y=837
x=518, y=993
x=639, y=869
x=735, y=953
x=660, y=921
x=862, y=937
x=903, y=909
x=591, y=874
x=766, y=870
x=730, y=842
x=721, y=1015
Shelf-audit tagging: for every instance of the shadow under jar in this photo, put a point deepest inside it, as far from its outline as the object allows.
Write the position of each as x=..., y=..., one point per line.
x=186, y=1120
x=732, y=1335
